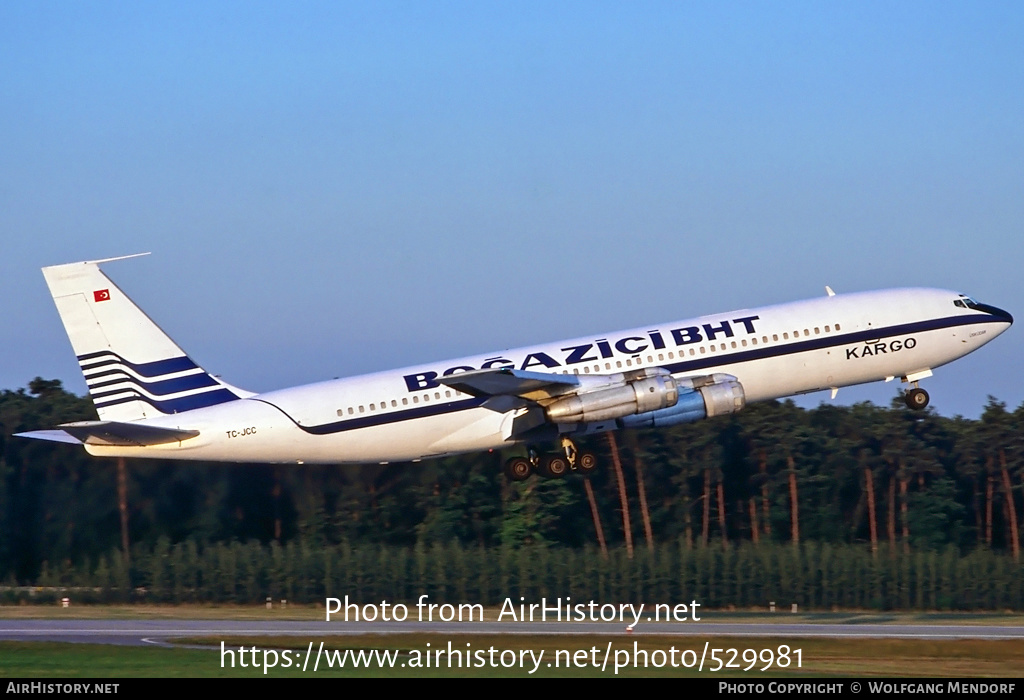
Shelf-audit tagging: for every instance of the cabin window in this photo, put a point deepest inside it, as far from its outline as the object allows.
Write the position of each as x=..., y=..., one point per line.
x=405, y=402
x=712, y=348
x=629, y=363
x=838, y=328
x=586, y=370
x=817, y=331
x=785, y=336
x=394, y=404
x=650, y=358
x=373, y=407
x=341, y=412
x=692, y=353
x=350, y=411
x=415, y=399
x=671, y=355
x=775, y=337
x=806, y=332
x=362, y=410
x=827, y=329
x=734, y=344
x=702, y=350
x=744, y=342
x=607, y=365
x=447, y=394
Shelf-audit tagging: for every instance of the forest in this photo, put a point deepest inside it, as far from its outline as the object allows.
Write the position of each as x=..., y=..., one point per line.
x=833, y=507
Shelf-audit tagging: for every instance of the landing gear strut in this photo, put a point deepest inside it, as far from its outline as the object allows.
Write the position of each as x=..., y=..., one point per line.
x=916, y=398
x=583, y=462
x=571, y=453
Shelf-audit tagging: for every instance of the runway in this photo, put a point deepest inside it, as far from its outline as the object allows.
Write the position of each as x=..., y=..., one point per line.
x=161, y=632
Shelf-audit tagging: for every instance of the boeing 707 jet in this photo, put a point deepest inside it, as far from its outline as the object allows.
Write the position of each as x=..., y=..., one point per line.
x=153, y=401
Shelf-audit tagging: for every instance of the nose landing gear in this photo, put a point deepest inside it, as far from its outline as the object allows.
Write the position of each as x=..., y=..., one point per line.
x=916, y=399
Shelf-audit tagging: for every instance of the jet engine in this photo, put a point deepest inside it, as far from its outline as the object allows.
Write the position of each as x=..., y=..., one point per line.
x=642, y=392
x=699, y=398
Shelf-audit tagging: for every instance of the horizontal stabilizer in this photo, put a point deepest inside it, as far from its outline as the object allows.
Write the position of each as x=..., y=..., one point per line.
x=505, y=381
x=50, y=436
x=112, y=433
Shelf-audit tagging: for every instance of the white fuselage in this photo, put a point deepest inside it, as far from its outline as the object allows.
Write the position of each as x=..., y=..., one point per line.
x=406, y=414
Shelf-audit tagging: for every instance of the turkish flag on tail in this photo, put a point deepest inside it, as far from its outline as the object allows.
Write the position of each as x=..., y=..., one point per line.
x=101, y=295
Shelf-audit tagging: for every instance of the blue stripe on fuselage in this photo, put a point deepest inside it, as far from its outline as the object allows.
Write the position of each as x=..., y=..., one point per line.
x=383, y=418
x=793, y=348
x=716, y=360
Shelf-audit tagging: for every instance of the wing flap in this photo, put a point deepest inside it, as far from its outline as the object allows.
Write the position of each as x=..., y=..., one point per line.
x=505, y=381
x=112, y=433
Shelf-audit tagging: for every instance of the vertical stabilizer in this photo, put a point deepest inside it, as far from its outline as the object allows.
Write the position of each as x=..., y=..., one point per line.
x=133, y=369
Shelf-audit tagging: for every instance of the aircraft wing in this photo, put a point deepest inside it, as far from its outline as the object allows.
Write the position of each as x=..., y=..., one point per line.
x=111, y=433
x=506, y=381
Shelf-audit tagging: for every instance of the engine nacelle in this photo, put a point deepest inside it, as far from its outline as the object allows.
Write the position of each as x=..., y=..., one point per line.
x=643, y=392
x=699, y=398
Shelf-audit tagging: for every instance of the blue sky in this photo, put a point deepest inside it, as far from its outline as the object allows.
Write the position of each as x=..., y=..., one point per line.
x=332, y=188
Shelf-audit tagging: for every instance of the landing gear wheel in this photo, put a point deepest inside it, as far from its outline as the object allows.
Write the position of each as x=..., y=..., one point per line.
x=916, y=399
x=553, y=466
x=587, y=463
x=518, y=469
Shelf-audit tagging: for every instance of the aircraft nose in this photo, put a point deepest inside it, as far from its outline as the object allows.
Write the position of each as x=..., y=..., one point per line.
x=997, y=312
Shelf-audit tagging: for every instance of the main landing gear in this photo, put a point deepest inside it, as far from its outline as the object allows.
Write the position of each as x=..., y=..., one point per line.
x=551, y=466
x=916, y=399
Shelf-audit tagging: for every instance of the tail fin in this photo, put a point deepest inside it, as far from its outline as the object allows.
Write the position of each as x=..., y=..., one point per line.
x=133, y=369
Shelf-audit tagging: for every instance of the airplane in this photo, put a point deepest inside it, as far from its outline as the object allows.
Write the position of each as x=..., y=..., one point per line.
x=154, y=401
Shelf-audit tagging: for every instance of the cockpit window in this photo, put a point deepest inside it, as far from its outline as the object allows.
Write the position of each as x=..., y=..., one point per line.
x=960, y=303
x=966, y=302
